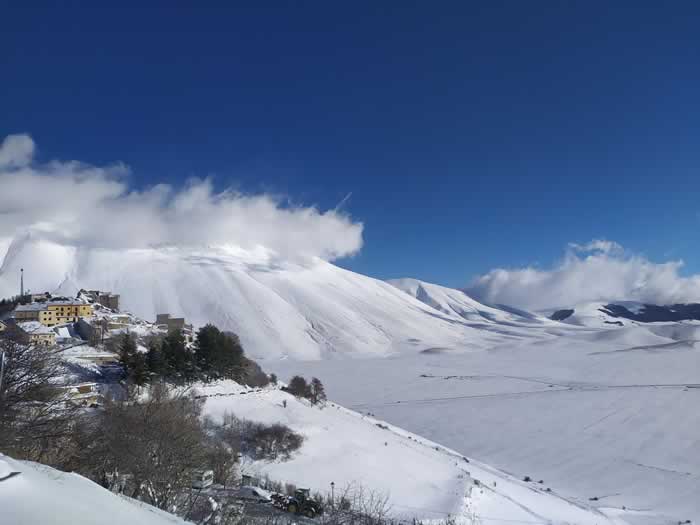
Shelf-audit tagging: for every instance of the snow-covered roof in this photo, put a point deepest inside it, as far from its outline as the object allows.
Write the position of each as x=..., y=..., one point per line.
x=32, y=307
x=73, y=302
x=35, y=328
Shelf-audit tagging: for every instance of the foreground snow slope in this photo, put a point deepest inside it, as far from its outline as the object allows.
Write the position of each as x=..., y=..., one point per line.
x=605, y=417
x=421, y=478
x=33, y=494
x=307, y=310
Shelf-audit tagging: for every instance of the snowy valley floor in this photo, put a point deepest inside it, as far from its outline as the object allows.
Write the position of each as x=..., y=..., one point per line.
x=604, y=418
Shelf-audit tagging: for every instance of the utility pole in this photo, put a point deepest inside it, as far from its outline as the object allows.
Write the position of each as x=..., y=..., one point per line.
x=21, y=283
x=2, y=370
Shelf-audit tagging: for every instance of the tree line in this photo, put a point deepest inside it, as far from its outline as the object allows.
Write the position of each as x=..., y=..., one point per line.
x=314, y=390
x=213, y=355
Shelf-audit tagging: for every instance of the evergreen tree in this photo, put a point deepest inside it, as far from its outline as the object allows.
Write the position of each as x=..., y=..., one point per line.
x=231, y=358
x=155, y=360
x=133, y=361
x=206, y=350
x=178, y=358
x=126, y=348
x=298, y=387
x=218, y=354
x=138, y=371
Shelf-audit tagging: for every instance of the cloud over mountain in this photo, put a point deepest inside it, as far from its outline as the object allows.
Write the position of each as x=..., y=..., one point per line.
x=598, y=271
x=76, y=204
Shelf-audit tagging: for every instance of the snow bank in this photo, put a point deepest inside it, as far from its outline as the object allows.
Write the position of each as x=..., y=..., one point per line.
x=42, y=495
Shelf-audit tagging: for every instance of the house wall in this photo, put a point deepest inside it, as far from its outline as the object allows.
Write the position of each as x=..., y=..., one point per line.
x=67, y=313
x=111, y=301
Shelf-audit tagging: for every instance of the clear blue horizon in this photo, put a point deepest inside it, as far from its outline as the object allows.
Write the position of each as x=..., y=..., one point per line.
x=469, y=136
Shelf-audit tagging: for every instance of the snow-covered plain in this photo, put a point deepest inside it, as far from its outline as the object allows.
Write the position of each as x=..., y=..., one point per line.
x=34, y=494
x=605, y=418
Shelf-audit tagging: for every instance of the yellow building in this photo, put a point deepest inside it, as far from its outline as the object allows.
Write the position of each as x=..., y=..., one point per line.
x=69, y=311
x=36, y=333
x=53, y=312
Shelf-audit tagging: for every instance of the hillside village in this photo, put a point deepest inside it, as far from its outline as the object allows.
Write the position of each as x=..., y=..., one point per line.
x=77, y=329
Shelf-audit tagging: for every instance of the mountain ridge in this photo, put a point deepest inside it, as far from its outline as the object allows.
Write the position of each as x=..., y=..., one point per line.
x=305, y=309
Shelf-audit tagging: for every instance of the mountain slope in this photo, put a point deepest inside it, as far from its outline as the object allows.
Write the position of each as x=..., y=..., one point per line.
x=421, y=479
x=456, y=302
x=303, y=309
x=623, y=313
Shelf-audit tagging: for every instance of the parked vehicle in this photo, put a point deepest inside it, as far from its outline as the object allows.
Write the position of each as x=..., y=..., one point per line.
x=253, y=494
x=280, y=500
x=203, y=479
x=301, y=503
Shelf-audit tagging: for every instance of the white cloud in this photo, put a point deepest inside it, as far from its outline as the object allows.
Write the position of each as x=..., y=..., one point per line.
x=16, y=150
x=75, y=204
x=598, y=271
x=597, y=245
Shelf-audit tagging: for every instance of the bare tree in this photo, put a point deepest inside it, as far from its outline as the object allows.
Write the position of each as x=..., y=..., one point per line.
x=357, y=505
x=157, y=441
x=34, y=411
x=259, y=440
x=317, y=391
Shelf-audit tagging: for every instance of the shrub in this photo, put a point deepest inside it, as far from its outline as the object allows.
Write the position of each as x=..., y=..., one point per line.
x=298, y=387
x=258, y=440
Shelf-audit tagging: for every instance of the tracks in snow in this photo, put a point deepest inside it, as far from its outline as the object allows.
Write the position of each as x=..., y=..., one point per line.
x=553, y=387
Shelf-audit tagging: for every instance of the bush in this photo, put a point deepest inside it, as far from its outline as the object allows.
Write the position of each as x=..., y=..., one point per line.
x=298, y=387
x=258, y=440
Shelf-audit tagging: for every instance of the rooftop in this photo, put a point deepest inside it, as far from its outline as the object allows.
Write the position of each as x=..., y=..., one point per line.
x=33, y=307
x=35, y=328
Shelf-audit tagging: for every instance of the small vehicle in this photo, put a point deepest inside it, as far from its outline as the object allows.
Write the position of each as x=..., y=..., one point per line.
x=253, y=494
x=203, y=479
x=280, y=500
x=301, y=503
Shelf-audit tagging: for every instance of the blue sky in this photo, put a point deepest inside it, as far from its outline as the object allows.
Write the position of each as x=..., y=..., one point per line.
x=471, y=136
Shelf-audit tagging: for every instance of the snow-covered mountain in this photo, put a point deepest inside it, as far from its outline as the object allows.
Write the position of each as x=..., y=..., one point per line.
x=307, y=309
x=455, y=302
x=603, y=412
x=625, y=312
